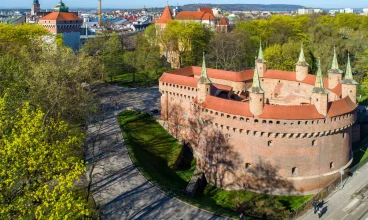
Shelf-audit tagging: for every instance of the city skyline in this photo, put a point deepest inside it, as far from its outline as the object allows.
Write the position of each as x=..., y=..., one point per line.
x=161, y=3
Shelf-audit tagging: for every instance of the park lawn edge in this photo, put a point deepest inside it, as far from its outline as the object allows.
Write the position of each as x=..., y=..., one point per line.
x=215, y=208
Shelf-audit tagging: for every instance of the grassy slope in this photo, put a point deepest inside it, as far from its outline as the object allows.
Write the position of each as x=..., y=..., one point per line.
x=142, y=78
x=153, y=151
x=360, y=150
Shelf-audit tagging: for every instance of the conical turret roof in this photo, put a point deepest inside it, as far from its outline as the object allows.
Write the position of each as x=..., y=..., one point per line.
x=260, y=57
x=203, y=79
x=319, y=86
x=348, y=79
x=166, y=16
x=256, y=85
x=335, y=64
x=301, y=61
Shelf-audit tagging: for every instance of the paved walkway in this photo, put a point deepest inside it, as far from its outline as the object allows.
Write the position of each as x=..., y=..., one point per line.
x=338, y=203
x=118, y=187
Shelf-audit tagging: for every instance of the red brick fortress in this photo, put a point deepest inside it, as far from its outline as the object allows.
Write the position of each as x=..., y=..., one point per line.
x=264, y=130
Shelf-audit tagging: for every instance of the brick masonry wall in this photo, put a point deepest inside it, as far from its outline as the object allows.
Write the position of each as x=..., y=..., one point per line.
x=316, y=149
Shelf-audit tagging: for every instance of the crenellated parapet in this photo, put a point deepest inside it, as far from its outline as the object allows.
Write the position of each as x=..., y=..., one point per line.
x=300, y=125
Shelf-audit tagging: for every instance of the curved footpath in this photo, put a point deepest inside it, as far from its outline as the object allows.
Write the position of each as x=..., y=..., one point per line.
x=118, y=187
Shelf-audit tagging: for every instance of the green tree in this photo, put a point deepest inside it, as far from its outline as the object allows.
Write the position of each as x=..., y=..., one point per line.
x=189, y=40
x=112, y=56
x=38, y=169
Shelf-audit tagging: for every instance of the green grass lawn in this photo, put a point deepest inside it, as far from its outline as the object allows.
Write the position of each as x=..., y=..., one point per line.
x=154, y=151
x=360, y=150
x=142, y=78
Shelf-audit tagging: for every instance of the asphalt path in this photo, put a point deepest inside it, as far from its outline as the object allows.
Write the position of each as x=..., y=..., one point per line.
x=118, y=187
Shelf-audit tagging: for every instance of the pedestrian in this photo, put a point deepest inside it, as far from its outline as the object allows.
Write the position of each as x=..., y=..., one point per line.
x=315, y=206
x=320, y=204
x=116, y=105
x=241, y=217
x=110, y=98
x=319, y=212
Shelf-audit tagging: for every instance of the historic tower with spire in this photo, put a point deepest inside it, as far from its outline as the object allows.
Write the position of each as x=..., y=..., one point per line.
x=320, y=93
x=36, y=7
x=261, y=62
x=301, y=66
x=334, y=74
x=256, y=95
x=204, y=83
x=349, y=85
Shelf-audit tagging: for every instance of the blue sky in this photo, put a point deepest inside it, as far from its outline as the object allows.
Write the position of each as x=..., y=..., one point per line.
x=161, y=3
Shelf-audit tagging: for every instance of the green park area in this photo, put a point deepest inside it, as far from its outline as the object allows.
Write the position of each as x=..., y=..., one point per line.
x=155, y=152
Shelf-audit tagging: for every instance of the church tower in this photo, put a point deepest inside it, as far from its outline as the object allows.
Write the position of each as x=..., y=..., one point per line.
x=320, y=93
x=349, y=85
x=36, y=7
x=334, y=74
x=301, y=66
x=256, y=95
x=261, y=62
x=203, y=84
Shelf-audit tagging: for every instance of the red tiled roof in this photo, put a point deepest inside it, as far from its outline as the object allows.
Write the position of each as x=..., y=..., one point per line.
x=208, y=17
x=291, y=112
x=194, y=15
x=227, y=106
x=166, y=16
x=221, y=87
x=206, y=10
x=223, y=21
x=291, y=76
x=226, y=75
x=61, y=16
x=179, y=80
x=215, y=73
x=340, y=107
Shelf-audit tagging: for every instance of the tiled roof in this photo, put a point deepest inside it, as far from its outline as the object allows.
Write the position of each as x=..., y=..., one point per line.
x=223, y=21
x=221, y=87
x=291, y=76
x=61, y=16
x=291, y=112
x=226, y=75
x=227, y=106
x=206, y=10
x=179, y=80
x=194, y=15
x=215, y=73
x=341, y=107
x=166, y=16
x=208, y=17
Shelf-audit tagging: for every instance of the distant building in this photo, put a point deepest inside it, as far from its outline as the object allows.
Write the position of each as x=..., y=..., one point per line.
x=203, y=15
x=305, y=11
x=347, y=11
x=36, y=7
x=365, y=11
x=14, y=20
x=61, y=21
x=223, y=25
x=217, y=12
x=333, y=12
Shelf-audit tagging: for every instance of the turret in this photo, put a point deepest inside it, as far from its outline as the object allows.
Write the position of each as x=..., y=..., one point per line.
x=301, y=66
x=349, y=85
x=256, y=95
x=204, y=83
x=334, y=74
x=320, y=94
x=261, y=62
